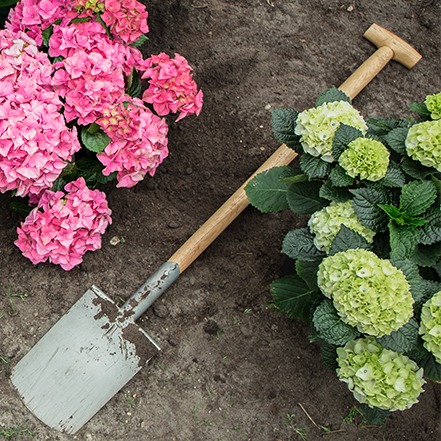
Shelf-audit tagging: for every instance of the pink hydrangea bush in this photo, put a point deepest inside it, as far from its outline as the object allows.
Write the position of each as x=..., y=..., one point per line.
x=35, y=144
x=171, y=86
x=138, y=141
x=64, y=226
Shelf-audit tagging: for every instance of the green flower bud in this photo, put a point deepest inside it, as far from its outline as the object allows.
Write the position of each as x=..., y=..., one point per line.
x=317, y=126
x=365, y=157
x=326, y=223
x=433, y=104
x=423, y=143
x=430, y=327
x=368, y=292
x=379, y=377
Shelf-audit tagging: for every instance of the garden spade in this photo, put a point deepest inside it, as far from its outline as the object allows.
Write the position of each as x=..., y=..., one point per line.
x=96, y=348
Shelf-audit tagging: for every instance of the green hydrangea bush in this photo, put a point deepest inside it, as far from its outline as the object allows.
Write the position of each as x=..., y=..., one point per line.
x=367, y=264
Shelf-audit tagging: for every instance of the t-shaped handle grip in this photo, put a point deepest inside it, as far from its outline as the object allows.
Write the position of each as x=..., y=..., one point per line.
x=390, y=47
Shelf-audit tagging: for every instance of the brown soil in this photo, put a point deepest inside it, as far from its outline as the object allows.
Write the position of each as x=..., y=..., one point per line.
x=230, y=367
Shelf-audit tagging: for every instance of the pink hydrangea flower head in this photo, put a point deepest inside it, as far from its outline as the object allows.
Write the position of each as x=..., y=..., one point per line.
x=138, y=141
x=171, y=86
x=33, y=16
x=35, y=143
x=127, y=19
x=64, y=226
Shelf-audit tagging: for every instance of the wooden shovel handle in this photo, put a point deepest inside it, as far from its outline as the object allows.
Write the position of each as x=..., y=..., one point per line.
x=284, y=155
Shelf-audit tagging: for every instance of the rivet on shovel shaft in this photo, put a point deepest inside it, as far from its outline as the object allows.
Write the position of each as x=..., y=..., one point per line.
x=96, y=348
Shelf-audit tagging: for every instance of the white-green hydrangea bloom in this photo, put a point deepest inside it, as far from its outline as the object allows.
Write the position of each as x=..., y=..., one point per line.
x=365, y=157
x=423, y=143
x=326, y=223
x=430, y=327
x=317, y=126
x=433, y=104
x=368, y=292
x=379, y=377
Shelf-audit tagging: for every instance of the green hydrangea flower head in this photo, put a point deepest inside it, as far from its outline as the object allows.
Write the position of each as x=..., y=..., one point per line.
x=430, y=327
x=369, y=293
x=433, y=104
x=326, y=223
x=317, y=126
x=365, y=157
x=379, y=377
x=423, y=143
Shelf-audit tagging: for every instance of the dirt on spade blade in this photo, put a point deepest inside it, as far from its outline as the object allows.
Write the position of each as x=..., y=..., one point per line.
x=230, y=368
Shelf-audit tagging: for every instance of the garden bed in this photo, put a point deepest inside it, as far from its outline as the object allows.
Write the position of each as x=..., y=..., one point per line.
x=230, y=367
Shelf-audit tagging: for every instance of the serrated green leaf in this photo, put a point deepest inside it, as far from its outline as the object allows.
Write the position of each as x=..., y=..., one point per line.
x=140, y=41
x=339, y=177
x=304, y=197
x=417, y=196
x=307, y=270
x=415, y=170
x=416, y=282
x=330, y=327
x=293, y=296
x=382, y=127
x=330, y=95
x=391, y=210
x=329, y=355
x=343, y=136
x=420, y=108
x=299, y=244
x=437, y=183
x=375, y=415
x=426, y=255
x=314, y=166
x=347, y=239
x=430, y=233
x=404, y=339
x=394, y=176
x=91, y=170
x=401, y=218
x=365, y=204
x=426, y=360
x=134, y=85
x=95, y=140
x=403, y=240
x=284, y=124
x=396, y=139
x=266, y=192
x=331, y=193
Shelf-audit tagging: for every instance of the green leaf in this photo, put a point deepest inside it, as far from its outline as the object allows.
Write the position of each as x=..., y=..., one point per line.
x=330, y=327
x=416, y=197
x=314, y=166
x=430, y=233
x=140, y=41
x=420, y=108
x=304, y=197
x=375, y=415
x=21, y=209
x=266, y=192
x=396, y=139
x=91, y=170
x=381, y=127
x=339, y=178
x=391, y=211
x=404, y=339
x=426, y=360
x=307, y=270
x=94, y=140
x=437, y=183
x=403, y=240
x=330, y=95
x=343, y=136
x=299, y=244
x=394, y=176
x=401, y=218
x=293, y=296
x=331, y=193
x=329, y=355
x=416, y=282
x=365, y=204
x=415, y=170
x=284, y=124
x=426, y=255
x=134, y=86
x=46, y=35
x=347, y=239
